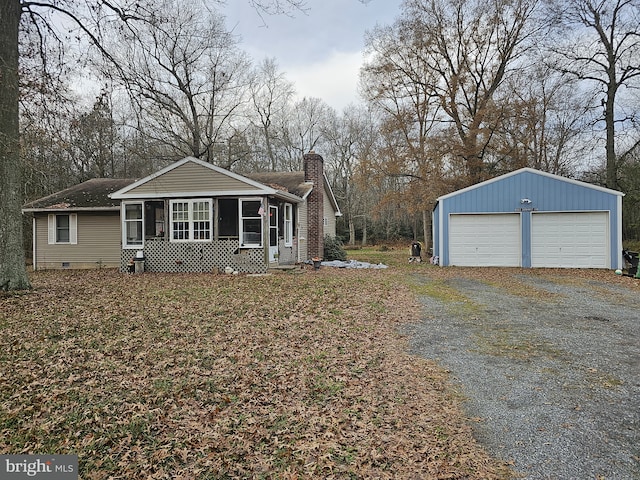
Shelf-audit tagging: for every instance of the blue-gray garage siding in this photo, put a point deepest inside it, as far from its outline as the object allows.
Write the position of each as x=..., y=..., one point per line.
x=523, y=192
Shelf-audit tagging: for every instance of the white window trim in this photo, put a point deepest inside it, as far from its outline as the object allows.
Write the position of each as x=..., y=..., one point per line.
x=190, y=220
x=241, y=221
x=73, y=229
x=288, y=225
x=172, y=204
x=123, y=214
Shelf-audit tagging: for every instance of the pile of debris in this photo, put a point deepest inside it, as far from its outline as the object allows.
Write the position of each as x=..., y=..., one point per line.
x=352, y=264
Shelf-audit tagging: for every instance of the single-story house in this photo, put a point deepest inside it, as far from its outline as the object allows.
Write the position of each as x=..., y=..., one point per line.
x=191, y=216
x=529, y=218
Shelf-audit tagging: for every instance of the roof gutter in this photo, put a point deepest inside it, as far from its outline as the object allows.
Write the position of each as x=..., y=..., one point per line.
x=72, y=209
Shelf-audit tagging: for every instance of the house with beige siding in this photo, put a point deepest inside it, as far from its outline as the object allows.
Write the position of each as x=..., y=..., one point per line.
x=78, y=227
x=191, y=216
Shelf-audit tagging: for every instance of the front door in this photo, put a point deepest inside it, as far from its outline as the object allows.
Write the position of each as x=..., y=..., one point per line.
x=273, y=234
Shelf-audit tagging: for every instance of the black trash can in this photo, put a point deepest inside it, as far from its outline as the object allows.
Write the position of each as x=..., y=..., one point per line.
x=415, y=251
x=632, y=259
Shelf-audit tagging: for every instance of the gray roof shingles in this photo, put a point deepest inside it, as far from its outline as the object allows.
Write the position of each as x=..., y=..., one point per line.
x=92, y=194
x=291, y=182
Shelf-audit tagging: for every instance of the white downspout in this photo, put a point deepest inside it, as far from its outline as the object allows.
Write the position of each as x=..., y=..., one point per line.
x=618, y=257
x=441, y=234
x=298, y=233
x=35, y=237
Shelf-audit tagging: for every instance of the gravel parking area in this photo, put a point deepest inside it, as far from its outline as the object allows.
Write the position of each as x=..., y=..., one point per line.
x=548, y=364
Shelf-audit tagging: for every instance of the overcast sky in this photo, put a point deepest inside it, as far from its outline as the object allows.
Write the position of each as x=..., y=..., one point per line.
x=320, y=51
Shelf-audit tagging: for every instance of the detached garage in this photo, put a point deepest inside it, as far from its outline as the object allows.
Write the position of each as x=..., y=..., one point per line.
x=529, y=218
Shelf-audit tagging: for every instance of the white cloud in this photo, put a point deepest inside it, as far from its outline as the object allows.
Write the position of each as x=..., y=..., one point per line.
x=320, y=52
x=334, y=79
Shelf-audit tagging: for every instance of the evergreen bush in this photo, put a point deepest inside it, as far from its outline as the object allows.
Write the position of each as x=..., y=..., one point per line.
x=333, y=249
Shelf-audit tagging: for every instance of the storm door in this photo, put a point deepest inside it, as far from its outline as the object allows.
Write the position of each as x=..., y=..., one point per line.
x=273, y=234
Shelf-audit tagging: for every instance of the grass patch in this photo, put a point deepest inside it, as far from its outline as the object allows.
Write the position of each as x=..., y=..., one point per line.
x=393, y=257
x=603, y=379
x=439, y=290
x=508, y=343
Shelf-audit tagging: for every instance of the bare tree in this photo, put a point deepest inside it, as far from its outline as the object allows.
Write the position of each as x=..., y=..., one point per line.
x=271, y=95
x=604, y=50
x=302, y=129
x=543, y=122
x=94, y=137
x=398, y=82
x=350, y=138
x=185, y=74
x=46, y=107
x=472, y=46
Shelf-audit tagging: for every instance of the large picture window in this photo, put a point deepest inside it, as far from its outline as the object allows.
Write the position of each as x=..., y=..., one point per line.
x=251, y=213
x=191, y=220
x=133, y=231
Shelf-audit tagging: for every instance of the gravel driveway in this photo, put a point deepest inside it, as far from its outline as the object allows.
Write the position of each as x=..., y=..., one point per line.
x=548, y=365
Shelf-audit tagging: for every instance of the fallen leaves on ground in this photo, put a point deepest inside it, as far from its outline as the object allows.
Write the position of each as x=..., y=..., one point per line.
x=215, y=376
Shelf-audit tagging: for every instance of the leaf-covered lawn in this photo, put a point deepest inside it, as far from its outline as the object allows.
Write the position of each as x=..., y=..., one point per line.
x=299, y=375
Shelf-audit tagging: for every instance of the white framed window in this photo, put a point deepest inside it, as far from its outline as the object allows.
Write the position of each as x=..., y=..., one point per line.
x=202, y=220
x=288, y=225
x=179, y=227
x=251, y=213
x=133, y=224
x=191, y=220
x=62, y=228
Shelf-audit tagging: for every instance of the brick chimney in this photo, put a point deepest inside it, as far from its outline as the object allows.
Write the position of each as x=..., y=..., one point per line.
x=314, y=172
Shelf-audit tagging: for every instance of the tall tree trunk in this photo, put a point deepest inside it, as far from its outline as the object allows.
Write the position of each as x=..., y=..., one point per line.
x=352, y=231
x=426, y=225
x=364, y=230
x=612, y=167
x=13, y=272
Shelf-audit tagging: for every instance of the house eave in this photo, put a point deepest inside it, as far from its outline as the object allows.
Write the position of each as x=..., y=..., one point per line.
x=290, y=197
x=206, y=194
x=332, y=197
x=71, y=209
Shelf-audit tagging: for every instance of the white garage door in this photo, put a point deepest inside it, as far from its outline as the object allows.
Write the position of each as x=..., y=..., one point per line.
x=485, y=240
x=570, y=240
